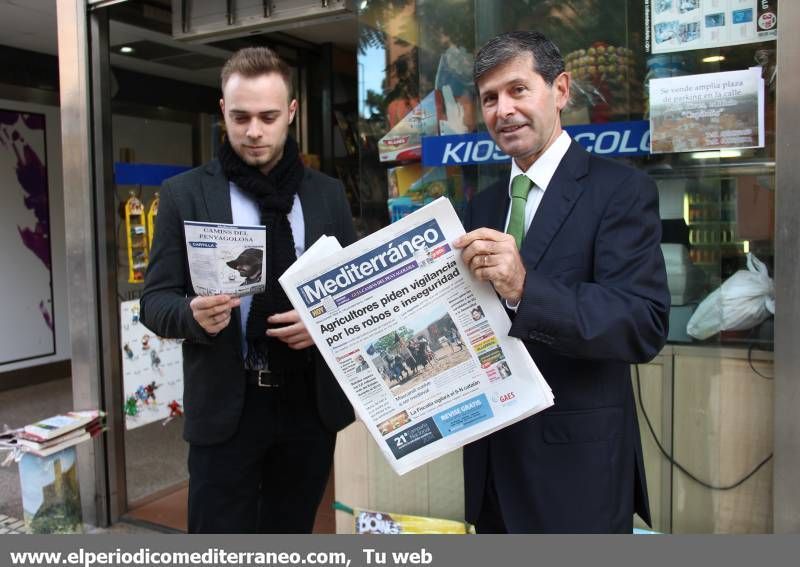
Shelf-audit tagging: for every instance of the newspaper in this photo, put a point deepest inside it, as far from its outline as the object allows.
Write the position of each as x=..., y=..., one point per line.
x=225, y=258
x=420, y=347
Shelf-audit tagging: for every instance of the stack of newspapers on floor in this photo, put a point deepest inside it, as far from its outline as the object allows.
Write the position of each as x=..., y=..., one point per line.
x=419, y=346
x=51, y=435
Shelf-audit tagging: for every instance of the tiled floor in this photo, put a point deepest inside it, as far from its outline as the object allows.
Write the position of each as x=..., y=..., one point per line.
x=13, y=526
x=155, y=460
x=9, y=525
x=168, y=511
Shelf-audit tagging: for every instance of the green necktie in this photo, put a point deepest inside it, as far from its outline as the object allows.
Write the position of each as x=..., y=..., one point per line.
x=520, y=186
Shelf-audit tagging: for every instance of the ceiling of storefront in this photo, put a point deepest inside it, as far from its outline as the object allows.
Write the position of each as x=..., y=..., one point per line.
x=144, y=25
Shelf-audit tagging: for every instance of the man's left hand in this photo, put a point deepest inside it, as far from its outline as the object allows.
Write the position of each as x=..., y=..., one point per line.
x=493, y=256
x=293, y=333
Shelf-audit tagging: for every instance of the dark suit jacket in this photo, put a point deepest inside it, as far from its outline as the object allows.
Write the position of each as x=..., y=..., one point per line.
x=214, y=379
x=595, y=301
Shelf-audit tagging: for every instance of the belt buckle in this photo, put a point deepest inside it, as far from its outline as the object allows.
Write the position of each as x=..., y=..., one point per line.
x=262, y=373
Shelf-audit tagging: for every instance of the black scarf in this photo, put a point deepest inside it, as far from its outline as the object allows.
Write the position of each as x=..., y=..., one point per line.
x=274, y=194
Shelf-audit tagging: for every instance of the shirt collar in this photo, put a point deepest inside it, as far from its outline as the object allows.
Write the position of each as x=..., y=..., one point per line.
x=543, y=169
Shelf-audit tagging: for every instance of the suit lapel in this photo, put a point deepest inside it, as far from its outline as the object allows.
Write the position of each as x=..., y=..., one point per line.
x=312, y=219
x=217, y=198
x=217, y=194
x=561, y=195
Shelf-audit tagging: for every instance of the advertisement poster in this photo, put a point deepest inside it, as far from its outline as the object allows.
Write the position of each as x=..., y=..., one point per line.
x=712, y=111
x=403, y=142
x=51, y=499
x=152, y=371
x=681, y=25
x=27, y=321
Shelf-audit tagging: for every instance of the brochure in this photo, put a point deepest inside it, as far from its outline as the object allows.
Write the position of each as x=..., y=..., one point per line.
x=225, y=258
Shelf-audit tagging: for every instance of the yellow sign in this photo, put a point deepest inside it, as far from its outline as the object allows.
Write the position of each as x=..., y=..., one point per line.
x=138, y=244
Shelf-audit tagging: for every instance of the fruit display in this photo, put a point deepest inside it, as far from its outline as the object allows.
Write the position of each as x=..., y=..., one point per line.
x=605, y=77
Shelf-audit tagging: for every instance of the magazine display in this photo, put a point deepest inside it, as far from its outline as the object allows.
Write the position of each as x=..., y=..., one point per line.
x=52, y=435
x=681, y=25
x=420, y=347
x=58, y=425
x=225, y=258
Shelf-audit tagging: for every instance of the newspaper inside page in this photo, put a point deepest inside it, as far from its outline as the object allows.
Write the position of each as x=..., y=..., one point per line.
x=419, y=346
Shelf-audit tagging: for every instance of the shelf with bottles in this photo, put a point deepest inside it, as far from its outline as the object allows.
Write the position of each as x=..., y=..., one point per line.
x=712, y=255
x=706, y=235
x=713, y=212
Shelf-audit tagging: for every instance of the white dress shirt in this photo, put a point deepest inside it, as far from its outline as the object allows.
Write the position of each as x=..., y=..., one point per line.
x=541, y=172
x=245, y=212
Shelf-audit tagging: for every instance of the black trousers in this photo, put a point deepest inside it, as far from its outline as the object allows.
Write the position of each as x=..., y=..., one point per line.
x=270, y=476
x=490, y=519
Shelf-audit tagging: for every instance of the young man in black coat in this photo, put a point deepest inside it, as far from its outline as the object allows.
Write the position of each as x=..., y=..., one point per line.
x=261, y=407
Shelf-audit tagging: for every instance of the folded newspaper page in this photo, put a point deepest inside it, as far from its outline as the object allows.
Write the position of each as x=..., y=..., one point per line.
x=225, y=258
x=419, y=346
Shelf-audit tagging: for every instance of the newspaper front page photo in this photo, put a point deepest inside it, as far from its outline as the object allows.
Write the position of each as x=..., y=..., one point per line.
x=418, y=345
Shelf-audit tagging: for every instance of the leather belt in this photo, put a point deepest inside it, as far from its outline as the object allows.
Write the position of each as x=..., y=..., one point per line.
x=264, y=378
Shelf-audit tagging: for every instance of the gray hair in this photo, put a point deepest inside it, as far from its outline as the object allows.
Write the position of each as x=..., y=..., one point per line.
x=547, y=60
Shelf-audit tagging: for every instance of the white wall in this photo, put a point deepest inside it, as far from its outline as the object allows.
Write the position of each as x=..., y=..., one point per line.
x=152, y=141
x=57, y=234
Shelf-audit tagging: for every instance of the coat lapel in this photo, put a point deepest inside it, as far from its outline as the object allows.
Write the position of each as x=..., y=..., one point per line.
x=314, y=222
x=217, y=194
x=561, y=195
x=217, y=198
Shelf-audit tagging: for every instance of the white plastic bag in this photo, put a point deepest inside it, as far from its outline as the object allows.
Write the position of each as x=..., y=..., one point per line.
x=742, y=301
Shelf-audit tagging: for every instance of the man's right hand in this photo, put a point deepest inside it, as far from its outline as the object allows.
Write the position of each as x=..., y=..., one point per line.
x=213, y=312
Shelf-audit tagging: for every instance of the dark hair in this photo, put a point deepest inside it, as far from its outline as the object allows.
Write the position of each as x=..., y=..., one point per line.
x=254, y=61
x=547, y=60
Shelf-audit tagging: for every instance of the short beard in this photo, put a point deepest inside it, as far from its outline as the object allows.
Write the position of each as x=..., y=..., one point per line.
x=255, y=162
x=259, y=162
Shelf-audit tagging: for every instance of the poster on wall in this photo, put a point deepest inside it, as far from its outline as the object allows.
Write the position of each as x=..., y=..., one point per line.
x=712, y=111
x=26, y=325
x=51, y=496
x=681, y=25
x=152, y=371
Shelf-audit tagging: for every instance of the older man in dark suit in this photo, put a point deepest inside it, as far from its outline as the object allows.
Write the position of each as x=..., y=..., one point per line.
x=571, y=244
x=261, y=407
